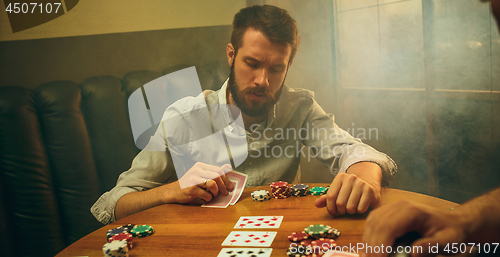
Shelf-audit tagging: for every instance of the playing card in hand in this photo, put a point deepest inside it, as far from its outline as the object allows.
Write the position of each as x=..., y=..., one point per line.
x=222, y=201
x=241, y=178
x=239, y=181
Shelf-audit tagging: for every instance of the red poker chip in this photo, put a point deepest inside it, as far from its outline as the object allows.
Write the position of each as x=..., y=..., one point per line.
x=298, y=236
x=324, y=242
x=280, y=190
x=123, y=236
x=279, y=184
x=315, y=252
x=306, y=242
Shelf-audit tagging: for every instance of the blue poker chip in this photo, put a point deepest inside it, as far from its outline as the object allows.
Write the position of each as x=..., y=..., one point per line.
x=299, y=190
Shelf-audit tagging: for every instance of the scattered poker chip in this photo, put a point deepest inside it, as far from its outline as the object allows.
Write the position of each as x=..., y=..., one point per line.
x=320, y=246
x=310, y=248
x=115, y=249
x=261, y=195
x=129, y=226
x=293, y=252
x=298, y=236
x=333, y=233
x=299, y=190
x=317, y=230
x=142, y=231
x=123, y=236
x=324, y=243
x=306, y=242
x=318, y=190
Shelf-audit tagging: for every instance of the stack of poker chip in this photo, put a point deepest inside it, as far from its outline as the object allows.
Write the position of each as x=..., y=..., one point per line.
x=299, y=190
x=120, y=239
x=316, y=239
x=280, y=190
x=127, y=237
x=142, y=231
x=322, y=231
x=318, y=190
x=261, y=195
x=117, y=248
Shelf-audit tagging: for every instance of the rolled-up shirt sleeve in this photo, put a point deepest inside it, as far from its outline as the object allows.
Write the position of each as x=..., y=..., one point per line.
x=337, y=149
x=149, y=169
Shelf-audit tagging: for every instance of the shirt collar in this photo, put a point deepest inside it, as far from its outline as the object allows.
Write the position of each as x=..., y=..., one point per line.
x=222, y=93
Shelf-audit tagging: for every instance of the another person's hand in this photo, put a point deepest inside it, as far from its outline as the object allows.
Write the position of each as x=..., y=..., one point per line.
x=353, y=192
x=387, y=223
x=476, y=221
x=202, y=181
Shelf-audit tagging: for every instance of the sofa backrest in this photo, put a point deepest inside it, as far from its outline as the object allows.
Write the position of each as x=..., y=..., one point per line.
x=61, y=146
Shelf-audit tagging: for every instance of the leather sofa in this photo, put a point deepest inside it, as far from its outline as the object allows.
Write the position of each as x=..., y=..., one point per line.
x=62, y=145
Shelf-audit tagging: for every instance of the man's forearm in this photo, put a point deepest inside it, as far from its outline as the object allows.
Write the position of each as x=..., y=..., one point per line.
x=138, y=201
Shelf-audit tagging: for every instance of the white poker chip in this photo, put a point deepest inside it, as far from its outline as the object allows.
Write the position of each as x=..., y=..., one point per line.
x=261, y=195
x=115, y=248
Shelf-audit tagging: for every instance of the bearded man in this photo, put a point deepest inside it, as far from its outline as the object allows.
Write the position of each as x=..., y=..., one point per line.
x=277, y=122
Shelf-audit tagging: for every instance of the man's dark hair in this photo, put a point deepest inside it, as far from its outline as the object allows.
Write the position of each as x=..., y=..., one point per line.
x=275, y=23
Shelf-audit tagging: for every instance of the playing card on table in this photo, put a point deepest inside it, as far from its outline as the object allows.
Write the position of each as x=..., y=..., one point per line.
x=259, y=222
x=241, y=178
x=222, y=201
x=250, y=238
x=245, y=252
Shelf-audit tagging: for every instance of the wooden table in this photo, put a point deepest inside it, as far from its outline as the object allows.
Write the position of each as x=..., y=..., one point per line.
x=182, y=230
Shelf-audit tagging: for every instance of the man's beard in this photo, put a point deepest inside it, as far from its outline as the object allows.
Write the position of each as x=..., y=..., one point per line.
x=252, y=108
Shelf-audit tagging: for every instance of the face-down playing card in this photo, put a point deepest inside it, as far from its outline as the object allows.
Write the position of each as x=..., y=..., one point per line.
x=250, y=238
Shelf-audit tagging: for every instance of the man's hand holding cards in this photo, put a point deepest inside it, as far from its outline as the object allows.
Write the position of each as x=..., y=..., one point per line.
x=239, y=181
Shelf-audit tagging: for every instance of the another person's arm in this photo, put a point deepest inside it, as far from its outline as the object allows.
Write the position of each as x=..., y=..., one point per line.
x=477, y=221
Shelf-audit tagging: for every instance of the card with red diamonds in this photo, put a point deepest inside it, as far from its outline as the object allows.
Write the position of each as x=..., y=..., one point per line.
x=259, y=222
x=250, y=238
